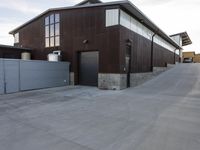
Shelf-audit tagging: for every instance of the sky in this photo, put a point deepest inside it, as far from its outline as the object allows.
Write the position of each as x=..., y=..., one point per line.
x=172, y=16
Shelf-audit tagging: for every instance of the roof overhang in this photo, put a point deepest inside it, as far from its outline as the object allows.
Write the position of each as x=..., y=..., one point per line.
x=125, y=4
x=145, y=20
x=185, y=38
x=14, y=47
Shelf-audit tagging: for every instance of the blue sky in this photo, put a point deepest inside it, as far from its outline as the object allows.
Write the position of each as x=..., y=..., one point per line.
x=172, y=16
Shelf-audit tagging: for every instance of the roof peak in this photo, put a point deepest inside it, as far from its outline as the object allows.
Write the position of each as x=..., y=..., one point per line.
x=87, y=2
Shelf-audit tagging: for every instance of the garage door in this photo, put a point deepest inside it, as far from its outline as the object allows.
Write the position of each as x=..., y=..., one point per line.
x=88, y=68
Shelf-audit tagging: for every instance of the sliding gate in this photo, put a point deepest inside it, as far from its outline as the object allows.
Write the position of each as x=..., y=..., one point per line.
x=19, y=75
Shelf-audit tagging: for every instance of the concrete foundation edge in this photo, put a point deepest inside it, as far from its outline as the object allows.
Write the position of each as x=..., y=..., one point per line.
x=71, y=78
x=140, y=78
x=108, y=81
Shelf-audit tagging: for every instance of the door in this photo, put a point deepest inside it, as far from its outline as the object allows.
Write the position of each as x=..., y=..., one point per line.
x=128, y=64
x=88, y=68
x=11, y=75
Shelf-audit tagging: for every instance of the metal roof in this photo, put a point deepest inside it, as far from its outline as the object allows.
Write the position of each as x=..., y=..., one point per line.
x=125, y=4
x=68, y=8
x=14, y=47
x=89, y=1
x=185, y=38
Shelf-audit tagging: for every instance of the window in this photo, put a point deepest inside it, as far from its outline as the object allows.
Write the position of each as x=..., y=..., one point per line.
x=57, y=40
x=118, y=16
x=125, y=19
x=131, y=23
x=52, y=19
x=47, y=21
x=112, y=17
x=57, y=18
x=52, y=30
x=16, y=38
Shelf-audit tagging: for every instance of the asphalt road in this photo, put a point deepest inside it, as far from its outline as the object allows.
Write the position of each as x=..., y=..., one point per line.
x=162, y=114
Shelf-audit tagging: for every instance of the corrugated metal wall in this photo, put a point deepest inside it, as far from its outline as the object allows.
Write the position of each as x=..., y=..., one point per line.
x=11, y=75
x=20, y=75
x=41, y=74
x=1, y=77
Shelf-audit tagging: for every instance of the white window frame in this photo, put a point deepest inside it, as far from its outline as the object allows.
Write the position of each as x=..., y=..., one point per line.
x=112, y=17
x=16, y=37
x=131, y=23
x=51, y=22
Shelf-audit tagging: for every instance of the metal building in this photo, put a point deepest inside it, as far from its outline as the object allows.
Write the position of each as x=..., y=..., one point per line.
x=106, y=43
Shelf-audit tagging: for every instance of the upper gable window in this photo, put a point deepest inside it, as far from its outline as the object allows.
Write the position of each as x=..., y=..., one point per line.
x=52, y=18
x=112, y=17
x=47, y=21
x=57, y=18
x=52, y=30
x=16, y=38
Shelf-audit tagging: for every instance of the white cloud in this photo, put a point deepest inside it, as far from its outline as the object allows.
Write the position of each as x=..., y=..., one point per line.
x=20, y=5
x=176, y=16
x=5, y=38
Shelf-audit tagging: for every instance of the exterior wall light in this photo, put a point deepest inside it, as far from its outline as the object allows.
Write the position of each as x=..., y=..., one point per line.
x=85, y=41
x=128, y=42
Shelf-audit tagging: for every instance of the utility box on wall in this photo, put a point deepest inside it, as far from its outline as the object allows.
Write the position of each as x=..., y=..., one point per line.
x=20, y=75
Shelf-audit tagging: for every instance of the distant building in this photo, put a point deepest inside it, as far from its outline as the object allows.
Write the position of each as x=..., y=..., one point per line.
x=182, y=39
x=196, y=58
x=192, y=56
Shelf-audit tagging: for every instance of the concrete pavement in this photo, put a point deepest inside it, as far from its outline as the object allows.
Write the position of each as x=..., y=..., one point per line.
x=162, y=114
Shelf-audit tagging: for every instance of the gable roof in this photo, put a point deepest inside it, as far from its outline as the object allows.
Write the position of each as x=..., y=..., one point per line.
x=185, y=38
x=68, y=8
x=86, y=2
x=125, y=4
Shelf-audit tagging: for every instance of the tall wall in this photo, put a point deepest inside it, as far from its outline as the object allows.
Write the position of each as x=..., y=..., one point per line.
x=77, y=25
x=141, y=52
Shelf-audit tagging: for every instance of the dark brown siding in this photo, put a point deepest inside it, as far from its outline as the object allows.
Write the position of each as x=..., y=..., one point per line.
x=82, y=24
x=162, y=56
x=77, y=25
x=141, y=52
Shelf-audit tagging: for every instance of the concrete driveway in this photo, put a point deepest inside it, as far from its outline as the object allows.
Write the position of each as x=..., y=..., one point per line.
x=162, y=114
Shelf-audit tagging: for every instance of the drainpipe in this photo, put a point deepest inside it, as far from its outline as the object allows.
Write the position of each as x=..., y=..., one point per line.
x=4, y=76
x=175, y=56
x=180, y=55
x=152, y=44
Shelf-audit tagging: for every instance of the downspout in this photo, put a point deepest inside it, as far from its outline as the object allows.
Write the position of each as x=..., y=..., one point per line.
x=152, y=44
x=175, y=56
x=180, y=56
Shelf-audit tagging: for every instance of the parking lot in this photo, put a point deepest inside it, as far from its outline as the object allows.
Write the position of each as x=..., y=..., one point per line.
x=162, y=114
